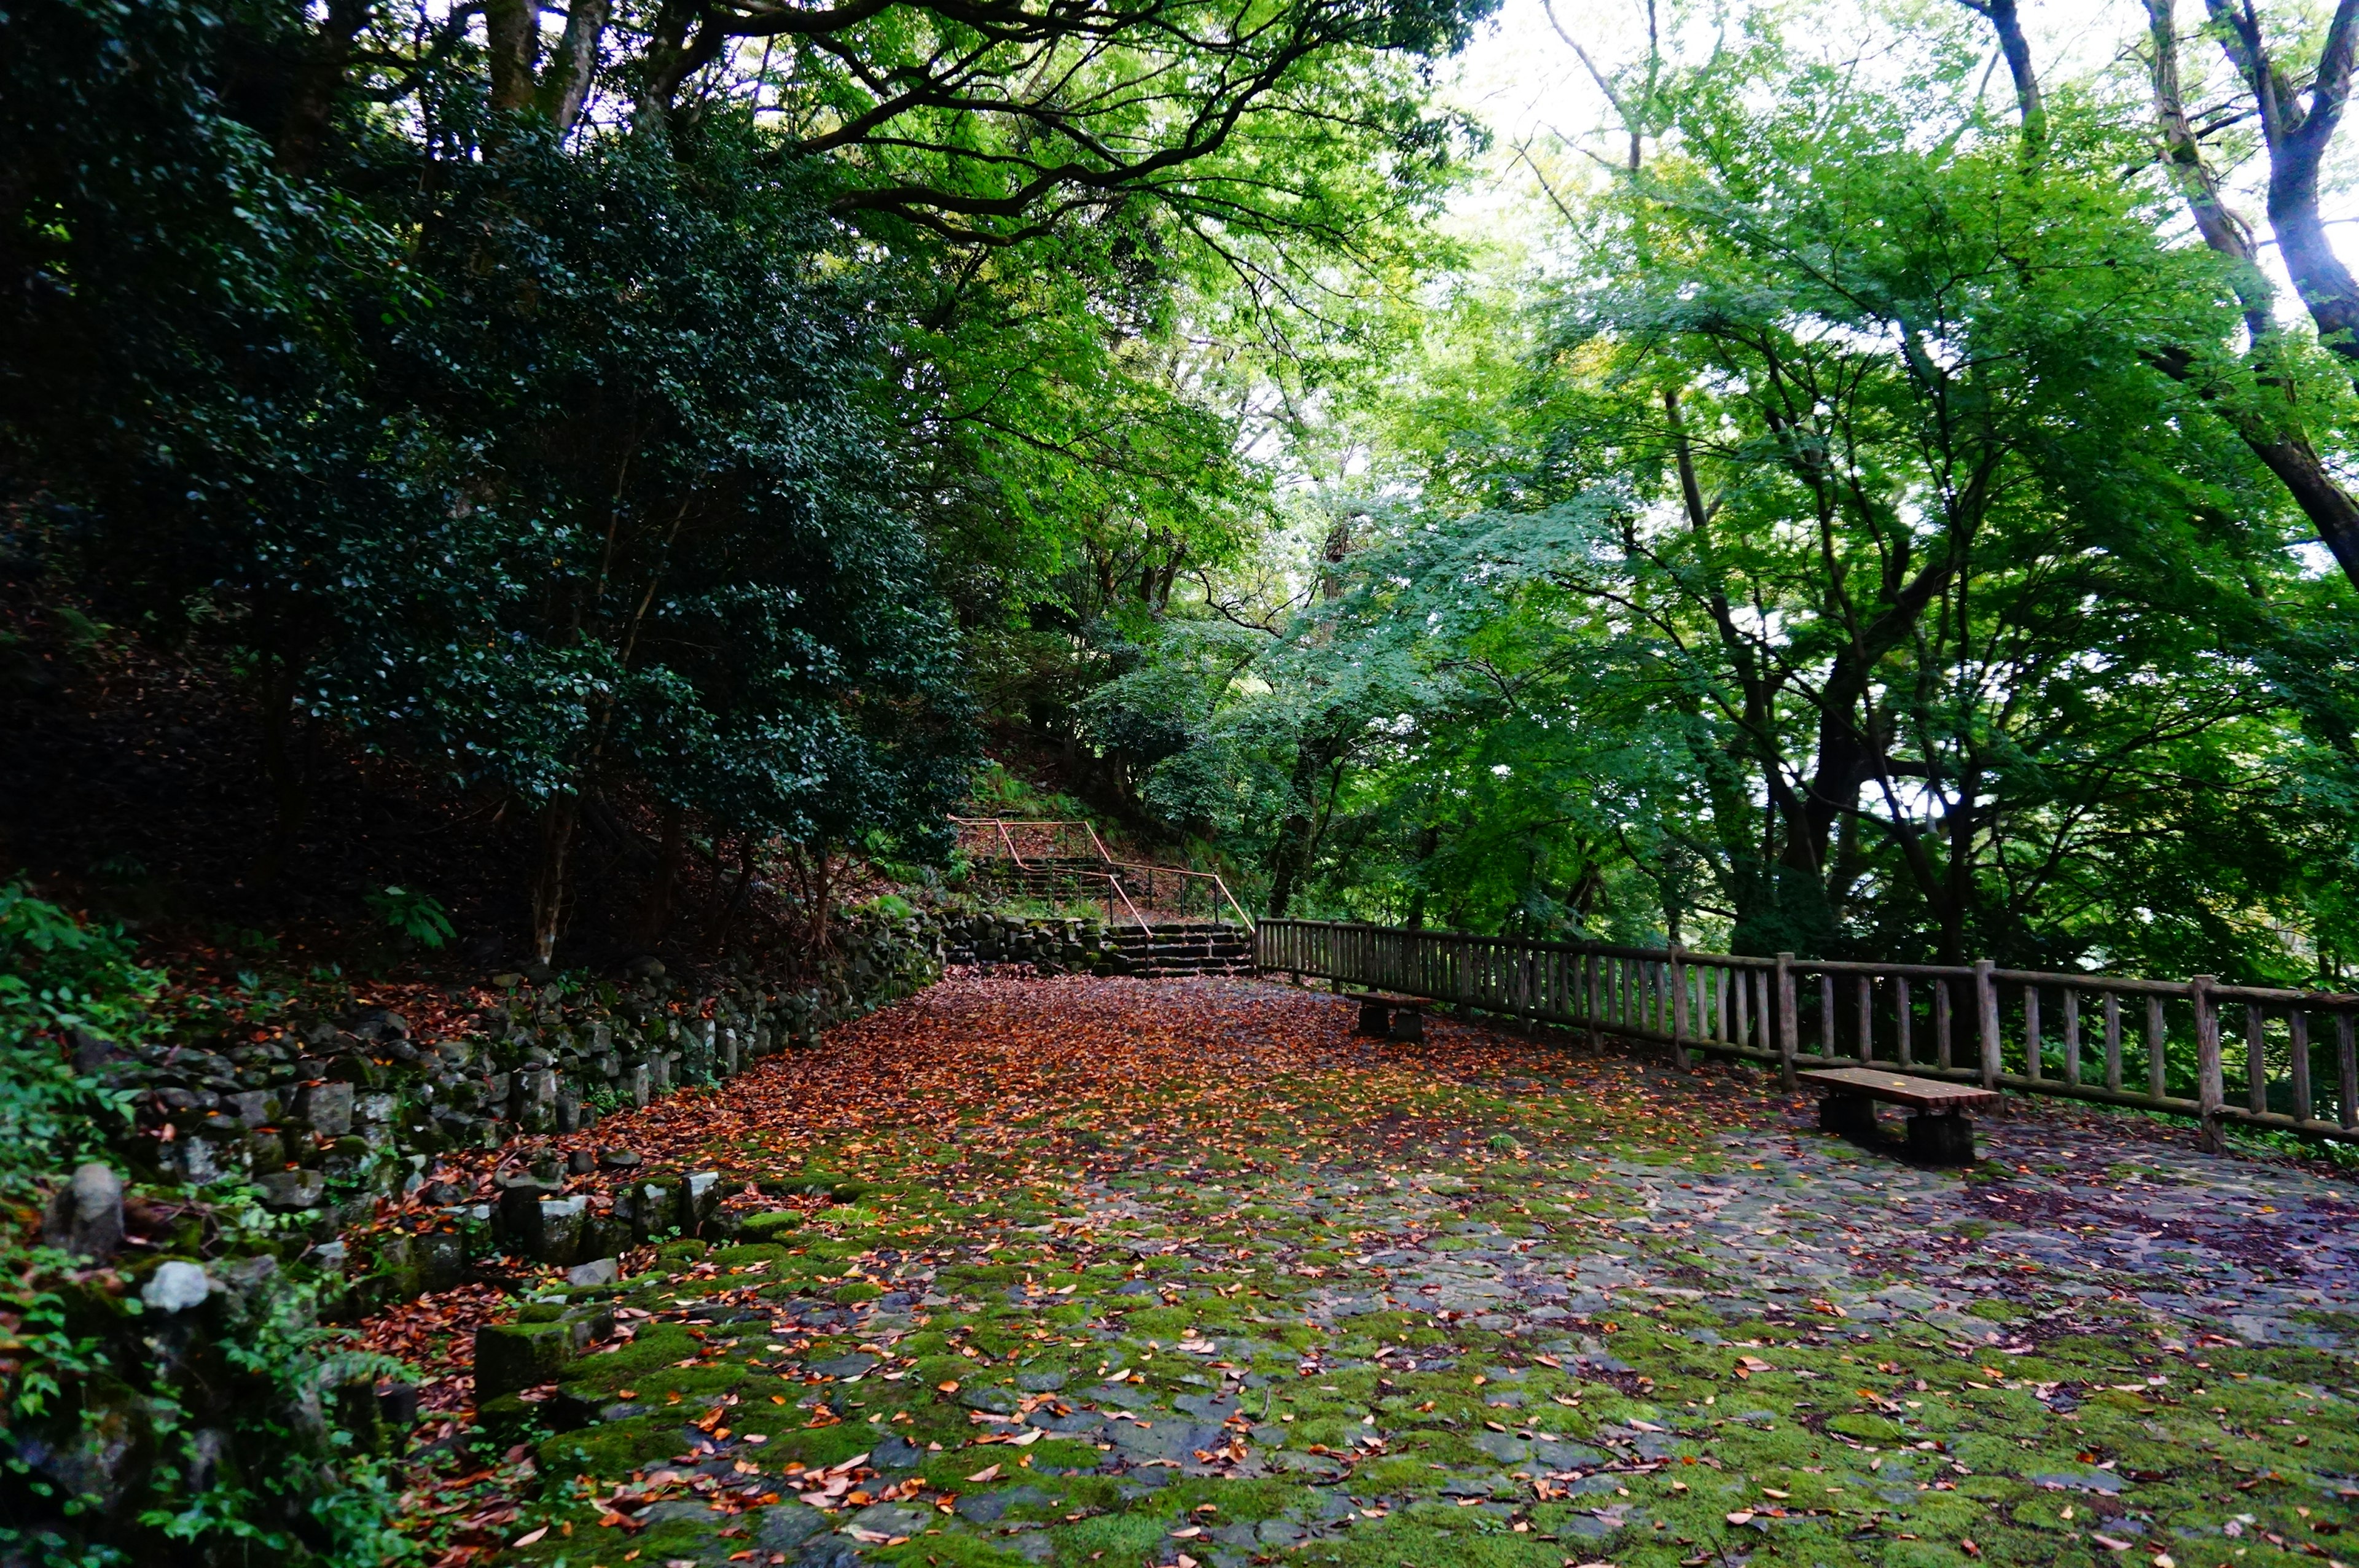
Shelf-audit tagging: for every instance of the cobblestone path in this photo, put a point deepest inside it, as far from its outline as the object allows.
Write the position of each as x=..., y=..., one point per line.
x=1181, y=1273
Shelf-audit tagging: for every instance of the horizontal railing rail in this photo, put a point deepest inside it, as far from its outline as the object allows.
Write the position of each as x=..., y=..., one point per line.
x=2155, y=1044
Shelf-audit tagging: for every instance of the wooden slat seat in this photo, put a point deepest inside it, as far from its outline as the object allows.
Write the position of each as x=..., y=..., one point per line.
x=1388, y=1015
x=1939, y=1133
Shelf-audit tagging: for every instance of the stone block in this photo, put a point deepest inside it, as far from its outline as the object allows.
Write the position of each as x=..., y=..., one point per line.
x=559, y=1240
x=325, y=1107
x=441, y=1259
x=769, y=1227
x=653, y=1209
x=604, y=1235
x=511, y=1356
x=535, y=1100
x=289, y=1190
x=517, y=1217
x=195, y=1159
x=700, y=1200
x=254, y=1108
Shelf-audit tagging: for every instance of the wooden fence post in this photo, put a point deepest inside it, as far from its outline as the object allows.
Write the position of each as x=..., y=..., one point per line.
x=2346, y=1073
x=1986, y=1011
x=1789, y=1019
x=1903, y=1046
x=1678, y=1007
x=2210, y=1094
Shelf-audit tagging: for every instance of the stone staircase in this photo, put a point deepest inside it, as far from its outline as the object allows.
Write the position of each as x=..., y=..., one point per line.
x=1184, y=947
x=1005, y=943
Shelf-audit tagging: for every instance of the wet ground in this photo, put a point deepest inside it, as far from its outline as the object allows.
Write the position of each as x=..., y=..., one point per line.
x=1181, y=1273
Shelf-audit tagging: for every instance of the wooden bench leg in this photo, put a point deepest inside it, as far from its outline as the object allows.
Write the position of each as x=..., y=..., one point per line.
x=1848, y=1115
x=1376, y=1019
x=1941, y=1137
x=1408, y=1023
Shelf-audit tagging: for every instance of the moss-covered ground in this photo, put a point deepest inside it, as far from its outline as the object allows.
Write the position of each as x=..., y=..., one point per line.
x=1175, y=1272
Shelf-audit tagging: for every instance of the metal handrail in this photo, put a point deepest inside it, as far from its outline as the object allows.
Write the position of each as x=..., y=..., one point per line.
x=999, y=827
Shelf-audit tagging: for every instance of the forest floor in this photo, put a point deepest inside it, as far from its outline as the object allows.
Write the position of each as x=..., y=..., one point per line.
x=1182, y=1273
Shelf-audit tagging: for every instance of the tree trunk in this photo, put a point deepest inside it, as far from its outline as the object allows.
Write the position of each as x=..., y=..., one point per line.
x=1293, y=844
x=669, y=847
x=319, y=77
x=566, y=86
x=289, y=782
x=512, y=28
x=1427, y=839
x=2029, y=107
x=548, y=889
x=746, y=846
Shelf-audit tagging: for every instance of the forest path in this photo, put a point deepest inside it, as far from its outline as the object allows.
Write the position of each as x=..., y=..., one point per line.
x=1183, y=1272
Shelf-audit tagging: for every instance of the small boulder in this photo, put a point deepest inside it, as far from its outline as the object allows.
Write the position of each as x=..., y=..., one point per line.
x=86, y=1216
x=598, y=1272
x=176, y=1286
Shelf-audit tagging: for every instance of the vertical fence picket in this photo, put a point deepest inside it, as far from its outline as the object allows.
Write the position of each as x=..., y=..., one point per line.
x=2071, y=1036
x=1900, y=1011
x=2256, y=1067
x=2347, y=1072
x=2297, y=1047
x=1826, y=1016
x=1679, y=1018
x=1789, y=1023
x=2210, y=1094
x=2112, y=1042
x=2033, y=1051
x=1986, y=1019
x=1866, y=1020
x=1941, y=1023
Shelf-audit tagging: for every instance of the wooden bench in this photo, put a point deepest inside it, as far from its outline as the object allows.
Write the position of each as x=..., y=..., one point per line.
x=1388, y=1016
x=1940, y=1133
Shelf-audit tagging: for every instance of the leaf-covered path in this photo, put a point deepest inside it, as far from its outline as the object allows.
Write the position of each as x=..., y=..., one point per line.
x=1180, y=1272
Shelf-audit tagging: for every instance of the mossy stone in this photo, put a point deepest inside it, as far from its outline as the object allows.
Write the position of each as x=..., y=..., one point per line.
x=769, y=1226
x=513, y=1356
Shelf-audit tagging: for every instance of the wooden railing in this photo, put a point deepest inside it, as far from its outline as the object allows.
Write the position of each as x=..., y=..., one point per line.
x=2091, y=1037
